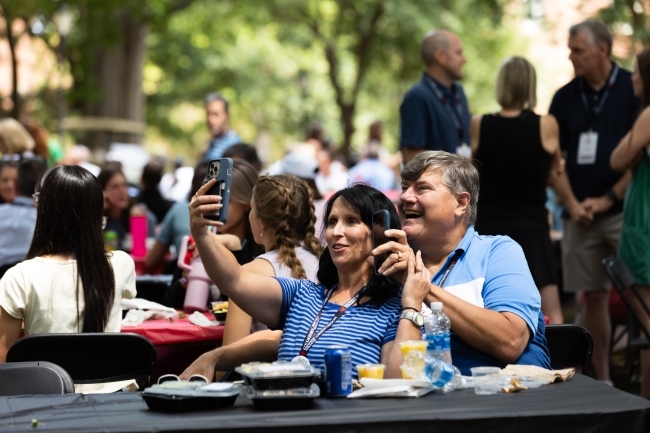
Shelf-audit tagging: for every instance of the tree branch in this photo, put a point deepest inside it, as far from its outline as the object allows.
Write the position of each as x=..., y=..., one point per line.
x=362, y=50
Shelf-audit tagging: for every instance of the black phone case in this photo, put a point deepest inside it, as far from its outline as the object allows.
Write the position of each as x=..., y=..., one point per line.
x=374, y=244
x=221, y=169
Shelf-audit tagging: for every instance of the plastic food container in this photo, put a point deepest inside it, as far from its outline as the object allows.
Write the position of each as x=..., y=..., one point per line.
x=220, y=310
x=278, y=375
x=407, y=346
x=486, y=380
x=371, y=371
x=182, y=396
x=283, y=399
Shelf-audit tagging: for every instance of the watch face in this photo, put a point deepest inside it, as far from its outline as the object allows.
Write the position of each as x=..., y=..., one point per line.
x=419, y=319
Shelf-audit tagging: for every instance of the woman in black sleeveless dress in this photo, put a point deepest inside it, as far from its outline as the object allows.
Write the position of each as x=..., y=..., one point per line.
x=517, y=154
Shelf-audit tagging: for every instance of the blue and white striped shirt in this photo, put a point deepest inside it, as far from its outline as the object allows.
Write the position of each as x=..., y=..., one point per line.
x=364, y=328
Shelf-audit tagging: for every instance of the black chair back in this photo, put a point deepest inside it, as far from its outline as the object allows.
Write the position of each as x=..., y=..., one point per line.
x=623, y=280
x=570, y=346
x=23, y=378
x=92, y=357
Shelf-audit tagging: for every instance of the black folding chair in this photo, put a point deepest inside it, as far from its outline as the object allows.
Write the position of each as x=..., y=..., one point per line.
x=620, y=275
x=570, y=346
x=24, y=378
x=92, y=357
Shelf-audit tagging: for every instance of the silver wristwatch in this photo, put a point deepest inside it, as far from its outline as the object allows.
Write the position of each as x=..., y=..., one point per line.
x=414, y=316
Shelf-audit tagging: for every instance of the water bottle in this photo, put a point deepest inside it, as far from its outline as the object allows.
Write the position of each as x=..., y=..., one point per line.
x=441, y=374
x=437, y=326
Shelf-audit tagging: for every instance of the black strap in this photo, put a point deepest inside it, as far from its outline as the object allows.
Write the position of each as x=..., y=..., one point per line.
x=449, y=266
x=310, y=338
x=456, y=117
x=595, y=112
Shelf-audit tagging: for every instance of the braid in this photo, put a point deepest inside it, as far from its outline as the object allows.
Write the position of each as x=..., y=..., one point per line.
x=311, y=242
x=281, y=210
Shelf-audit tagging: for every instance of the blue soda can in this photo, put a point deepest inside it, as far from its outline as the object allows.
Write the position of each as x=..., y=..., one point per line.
x=338, y=371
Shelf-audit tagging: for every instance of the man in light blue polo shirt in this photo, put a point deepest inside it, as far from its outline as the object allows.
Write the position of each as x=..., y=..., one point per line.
x=483, y=281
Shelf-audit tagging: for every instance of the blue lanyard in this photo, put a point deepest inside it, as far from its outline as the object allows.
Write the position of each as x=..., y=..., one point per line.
x=457, y=116
x=310, y=338
x=449, y=266
x=595, y=112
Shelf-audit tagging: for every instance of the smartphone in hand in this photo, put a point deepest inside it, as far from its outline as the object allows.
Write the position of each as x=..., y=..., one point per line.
x=220, y=169
x=380, y=223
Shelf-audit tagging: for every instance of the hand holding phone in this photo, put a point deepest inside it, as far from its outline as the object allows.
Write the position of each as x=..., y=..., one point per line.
x=380, y=223
x=221, y=170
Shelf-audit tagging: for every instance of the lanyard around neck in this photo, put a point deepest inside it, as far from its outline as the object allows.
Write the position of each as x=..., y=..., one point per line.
x=457, y=116
x=595, y=112
x=449, y=266
x=310, y=338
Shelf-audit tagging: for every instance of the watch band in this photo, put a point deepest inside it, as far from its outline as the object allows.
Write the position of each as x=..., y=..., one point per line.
x=612, y=195
x=415, y=317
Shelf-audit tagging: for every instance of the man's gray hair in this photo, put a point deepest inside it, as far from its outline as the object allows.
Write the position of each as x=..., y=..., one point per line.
x=458, y=174
x=598, y=31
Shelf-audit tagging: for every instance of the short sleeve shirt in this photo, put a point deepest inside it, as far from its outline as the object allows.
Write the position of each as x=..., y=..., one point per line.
x=493, y=273
x=175, y=225
x=425, y=122
x=616, y=118
x=364, y=328
x=42, y=291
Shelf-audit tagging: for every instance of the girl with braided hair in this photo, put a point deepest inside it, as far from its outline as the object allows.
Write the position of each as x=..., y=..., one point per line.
x=282, y=219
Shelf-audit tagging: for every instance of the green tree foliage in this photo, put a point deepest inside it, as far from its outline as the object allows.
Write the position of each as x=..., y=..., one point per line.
x=630, y=19
x=283, y=64
x=286, y=63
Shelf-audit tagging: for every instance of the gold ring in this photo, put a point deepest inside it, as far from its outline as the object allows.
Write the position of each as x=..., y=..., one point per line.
x=418, y=270
x=399, y=256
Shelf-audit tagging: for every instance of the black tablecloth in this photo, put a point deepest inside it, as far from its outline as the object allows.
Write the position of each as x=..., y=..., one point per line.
x=579, y=405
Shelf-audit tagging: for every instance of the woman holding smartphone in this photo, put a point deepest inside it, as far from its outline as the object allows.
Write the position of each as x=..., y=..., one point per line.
x=350, y=305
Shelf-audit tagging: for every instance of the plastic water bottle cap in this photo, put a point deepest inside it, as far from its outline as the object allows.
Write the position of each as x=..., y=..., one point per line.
x=436, y=306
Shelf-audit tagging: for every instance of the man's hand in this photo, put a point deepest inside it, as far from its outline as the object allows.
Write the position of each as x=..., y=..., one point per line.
x=597, y=205
x=204, y=365
x=580, y=214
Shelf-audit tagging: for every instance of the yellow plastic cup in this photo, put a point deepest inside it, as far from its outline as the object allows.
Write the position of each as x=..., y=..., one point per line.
x=371, y=371
x=407, y=346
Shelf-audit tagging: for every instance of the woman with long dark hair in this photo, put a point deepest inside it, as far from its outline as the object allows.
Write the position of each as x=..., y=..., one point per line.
x=634, y=247
x=68, y=283
x=371, y=304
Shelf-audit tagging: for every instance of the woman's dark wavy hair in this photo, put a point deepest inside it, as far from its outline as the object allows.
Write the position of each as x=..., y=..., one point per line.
x=69, y=224
x=364, y=200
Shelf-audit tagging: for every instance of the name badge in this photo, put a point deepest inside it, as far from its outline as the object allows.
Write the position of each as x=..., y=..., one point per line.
x=587, y=147
x=464, y=150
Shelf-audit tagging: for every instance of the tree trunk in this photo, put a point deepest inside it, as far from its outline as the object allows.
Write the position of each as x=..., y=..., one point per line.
x=118, y=70
x=11, y=40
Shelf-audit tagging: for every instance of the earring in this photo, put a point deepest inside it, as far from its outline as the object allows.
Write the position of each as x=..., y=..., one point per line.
x=261, y=234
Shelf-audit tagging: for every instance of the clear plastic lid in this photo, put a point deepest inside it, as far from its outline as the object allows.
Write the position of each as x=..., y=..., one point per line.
x=310, y=392
x=264, y=370
x=195, y=389
x=436, y=306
